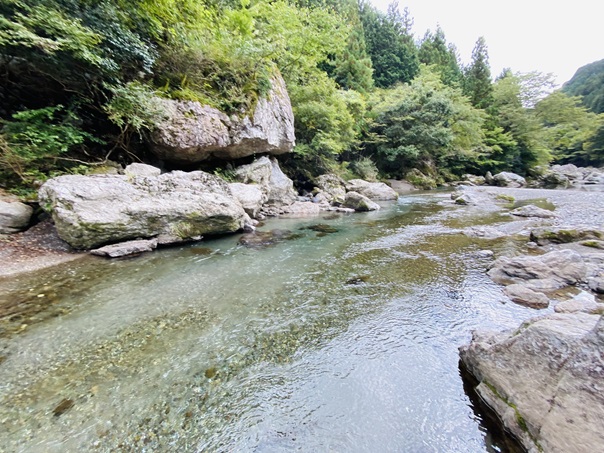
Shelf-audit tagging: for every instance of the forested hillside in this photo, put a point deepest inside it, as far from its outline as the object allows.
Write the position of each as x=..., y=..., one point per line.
x=80, y=80
x=588, y=82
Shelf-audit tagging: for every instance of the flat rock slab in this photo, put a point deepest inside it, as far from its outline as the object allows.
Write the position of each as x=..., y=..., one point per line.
x=91, y=211
x=545, y=380
x=126, y=248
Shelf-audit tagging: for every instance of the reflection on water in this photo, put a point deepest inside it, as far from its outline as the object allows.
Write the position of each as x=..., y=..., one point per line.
x=340, y=335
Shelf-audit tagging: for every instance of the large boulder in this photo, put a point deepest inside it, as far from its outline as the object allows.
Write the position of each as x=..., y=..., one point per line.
x=14, y=216
x=508, y=179
x=266, y=173
x=251, y=197
x=544, y=380
x=332, y=186
x=563, y=235
x=372, y=190
x=90, y=211
x=548, y=272
x=192, y=132
x=532, y=211
x=359, y=202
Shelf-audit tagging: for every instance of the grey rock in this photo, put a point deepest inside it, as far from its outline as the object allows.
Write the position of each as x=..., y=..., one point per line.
x=359, y=202
x=563, y=235
x=372, y=190
x=532, y=211
x=548, y=272
x=596, y=284
x=544, y=380
x=333, y=186
x=251, y=196
x=141, y=170
x=508, y=179
x=14, y=216
x=522, y=295
x=266, y=173
x=90, y=211
x=126, y=248
x=582, y=302
x=475, y=180
x=193, y=132
x=568, y=171
x=302, y=209
x=553, y=178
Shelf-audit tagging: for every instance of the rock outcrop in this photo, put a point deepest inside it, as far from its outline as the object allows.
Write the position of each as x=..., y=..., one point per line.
x=532, y=211
x=90, y=211
x=359, y=202
x=14, y=216
x=563, y=235
x=372, y=190
x=333, y=187
x=544, y=380
x=266, y=174
x=193, y=132
x=508, y=179
x=548, y=272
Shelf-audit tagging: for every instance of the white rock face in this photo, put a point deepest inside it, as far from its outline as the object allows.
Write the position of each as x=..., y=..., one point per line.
x=193, y=132
x=544, y=380
x=90, y=211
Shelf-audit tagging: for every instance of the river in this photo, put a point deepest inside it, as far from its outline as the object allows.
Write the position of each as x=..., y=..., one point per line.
x=341, y=336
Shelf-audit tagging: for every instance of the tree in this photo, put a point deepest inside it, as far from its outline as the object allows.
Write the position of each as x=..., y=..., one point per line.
x=570, y=130
x=516, y=134
x=588, y=82
x=478, y=86
x=425, y=124
x=390, y=45
x=353, y=69
x=434, y=50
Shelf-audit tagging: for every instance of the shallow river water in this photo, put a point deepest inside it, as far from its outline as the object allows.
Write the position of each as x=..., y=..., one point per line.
x=337, y=338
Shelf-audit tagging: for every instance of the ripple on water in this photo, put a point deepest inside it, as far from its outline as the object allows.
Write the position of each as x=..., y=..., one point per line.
x=344, y=342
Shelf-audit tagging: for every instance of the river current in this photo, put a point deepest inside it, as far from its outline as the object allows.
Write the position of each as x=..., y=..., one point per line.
x=341, y=335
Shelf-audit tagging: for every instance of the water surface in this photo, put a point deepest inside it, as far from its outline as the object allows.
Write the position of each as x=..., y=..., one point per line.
x=341, y=338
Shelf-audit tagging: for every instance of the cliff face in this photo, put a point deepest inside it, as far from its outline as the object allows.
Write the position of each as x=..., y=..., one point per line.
x=193, y=133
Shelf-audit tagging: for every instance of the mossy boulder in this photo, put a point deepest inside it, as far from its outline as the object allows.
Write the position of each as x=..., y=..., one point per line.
x=90, y=211
x=564, y=235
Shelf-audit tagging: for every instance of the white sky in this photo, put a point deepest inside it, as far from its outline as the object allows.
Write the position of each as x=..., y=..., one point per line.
x=530, y=35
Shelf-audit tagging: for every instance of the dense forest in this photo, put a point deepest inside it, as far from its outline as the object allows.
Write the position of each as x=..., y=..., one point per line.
x=80, y=80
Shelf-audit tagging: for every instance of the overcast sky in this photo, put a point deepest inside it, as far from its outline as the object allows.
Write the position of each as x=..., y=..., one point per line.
x=524, y=35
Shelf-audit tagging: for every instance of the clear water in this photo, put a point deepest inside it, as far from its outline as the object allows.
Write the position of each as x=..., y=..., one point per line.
x=342, y=341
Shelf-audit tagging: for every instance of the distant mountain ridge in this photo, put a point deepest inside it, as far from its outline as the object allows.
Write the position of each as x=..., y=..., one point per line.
x=588, y=82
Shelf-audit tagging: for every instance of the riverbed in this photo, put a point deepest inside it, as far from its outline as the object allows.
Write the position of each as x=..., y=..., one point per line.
x=340, y=333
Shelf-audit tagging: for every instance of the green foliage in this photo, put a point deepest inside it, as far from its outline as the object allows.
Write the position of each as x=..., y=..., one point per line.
x=569, y=129
x=134, y=108
x=477, y=83
x=32, y=142
x=390, y=45
x=588, y=82
x=424, y=124
x=366, y=169
x=434, y=50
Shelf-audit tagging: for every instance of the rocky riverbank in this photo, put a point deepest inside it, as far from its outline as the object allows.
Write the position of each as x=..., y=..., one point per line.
x=544, y=379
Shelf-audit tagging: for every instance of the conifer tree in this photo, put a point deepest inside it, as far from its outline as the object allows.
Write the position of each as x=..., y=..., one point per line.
x=353, y=69
x=434, y=50
x=478, y=85
x=390, y=45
